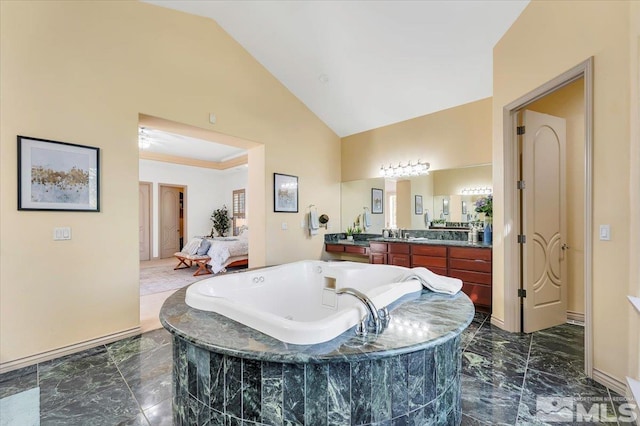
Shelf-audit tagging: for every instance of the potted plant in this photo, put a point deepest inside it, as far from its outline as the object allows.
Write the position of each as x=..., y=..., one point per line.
x=221, y=221
x=353, y=230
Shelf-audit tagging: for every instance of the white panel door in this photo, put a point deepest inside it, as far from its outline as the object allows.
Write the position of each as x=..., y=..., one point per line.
x=544, y=221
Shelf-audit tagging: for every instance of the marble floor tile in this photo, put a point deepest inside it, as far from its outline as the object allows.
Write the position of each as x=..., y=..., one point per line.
x=496, y=371
x=18, y=381
x=129, y=382
x=485, y=402
x=149, y=375
x=160, y=414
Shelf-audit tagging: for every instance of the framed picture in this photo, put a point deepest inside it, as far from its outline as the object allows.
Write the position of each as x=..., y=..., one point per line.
x=377, y=200
x=464, y=207
x=419, y=204
x=57, y=176
x=285, y=193
x=445, y=206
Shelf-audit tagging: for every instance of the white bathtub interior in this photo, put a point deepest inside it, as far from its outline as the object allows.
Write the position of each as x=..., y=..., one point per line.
x=296, y=302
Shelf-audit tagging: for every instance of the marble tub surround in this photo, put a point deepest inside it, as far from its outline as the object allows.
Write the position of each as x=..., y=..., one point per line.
x=410, y=373
x=418, y=321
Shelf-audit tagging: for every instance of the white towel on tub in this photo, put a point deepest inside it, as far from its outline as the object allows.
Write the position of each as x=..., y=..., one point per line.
x=433, y=281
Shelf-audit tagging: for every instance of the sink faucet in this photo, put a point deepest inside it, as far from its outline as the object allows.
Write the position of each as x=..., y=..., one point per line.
x=374, y=319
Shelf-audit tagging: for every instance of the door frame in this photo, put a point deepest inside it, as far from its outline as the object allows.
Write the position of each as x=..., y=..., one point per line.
x=150, y=224
x=512, y=320
x=184, y=211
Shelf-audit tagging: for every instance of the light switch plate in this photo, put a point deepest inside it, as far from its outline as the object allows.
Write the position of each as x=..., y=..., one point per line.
x=285, y=226
x=61, y=233
x=605, y=233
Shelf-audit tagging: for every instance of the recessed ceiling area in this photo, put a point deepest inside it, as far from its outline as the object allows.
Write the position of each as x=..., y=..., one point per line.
x=184, y=146
x=360, y=65
x=180, y=149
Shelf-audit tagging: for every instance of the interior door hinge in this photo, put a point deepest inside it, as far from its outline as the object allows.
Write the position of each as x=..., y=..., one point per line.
x=520, y=130
x=522, y=239
x=522, y=292
x=521, y=184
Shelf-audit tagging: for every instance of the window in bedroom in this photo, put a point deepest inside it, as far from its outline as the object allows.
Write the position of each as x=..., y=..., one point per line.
x=239, y=211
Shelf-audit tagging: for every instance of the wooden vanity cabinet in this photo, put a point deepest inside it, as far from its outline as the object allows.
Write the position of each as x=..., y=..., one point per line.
x=399, y=254
x=432, y=257
x=378, y=253
x=334, y=248
x=473, y=267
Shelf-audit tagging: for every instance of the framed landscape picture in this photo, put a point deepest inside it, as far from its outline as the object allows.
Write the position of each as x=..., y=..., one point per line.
x=377, y=200
x=57, y=176
x=285, y=193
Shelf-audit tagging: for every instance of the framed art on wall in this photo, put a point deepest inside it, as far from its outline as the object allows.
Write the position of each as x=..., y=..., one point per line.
x=57, y=176
x=418, y=203
x=377, y=200
x=285, y=193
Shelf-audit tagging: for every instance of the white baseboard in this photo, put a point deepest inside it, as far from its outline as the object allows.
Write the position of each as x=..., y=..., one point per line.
x=577, y=317
x=611, y=382
x=66, y=350
x=497, y=322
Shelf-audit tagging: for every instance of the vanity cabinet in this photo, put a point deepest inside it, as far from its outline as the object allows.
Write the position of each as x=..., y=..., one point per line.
x=473, y=267
x=334, y=248
x=349, y=249
x=399, y=254
x=378, y=253
x=432, y=257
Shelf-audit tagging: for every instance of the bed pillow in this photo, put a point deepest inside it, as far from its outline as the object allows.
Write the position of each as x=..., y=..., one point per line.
x=204, y=247
x=192, y=246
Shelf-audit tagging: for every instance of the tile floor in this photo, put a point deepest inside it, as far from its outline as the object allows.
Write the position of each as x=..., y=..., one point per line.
x=129, y=382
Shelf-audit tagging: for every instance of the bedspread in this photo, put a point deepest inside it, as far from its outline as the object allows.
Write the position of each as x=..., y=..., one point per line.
x=223, y=248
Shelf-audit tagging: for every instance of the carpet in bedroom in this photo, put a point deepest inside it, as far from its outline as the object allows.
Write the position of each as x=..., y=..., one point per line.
x=157, y=279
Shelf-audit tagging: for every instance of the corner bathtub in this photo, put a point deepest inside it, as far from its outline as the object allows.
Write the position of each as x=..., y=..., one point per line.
x=296, y=303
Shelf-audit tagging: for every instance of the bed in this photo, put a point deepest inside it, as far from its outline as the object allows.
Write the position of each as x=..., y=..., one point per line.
x=218, y=253
x=228, y=252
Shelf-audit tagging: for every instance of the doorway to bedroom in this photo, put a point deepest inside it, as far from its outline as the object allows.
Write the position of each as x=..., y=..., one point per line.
x=186, y=173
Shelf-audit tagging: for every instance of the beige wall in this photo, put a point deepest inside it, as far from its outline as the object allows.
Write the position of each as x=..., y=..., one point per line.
x=634, y=189
x=422, y=185
x=568, y=103
x=452, y=181
x=404, y=204
x=82, y=72
x=454, y=137
x=547, y=39
x=355, y=196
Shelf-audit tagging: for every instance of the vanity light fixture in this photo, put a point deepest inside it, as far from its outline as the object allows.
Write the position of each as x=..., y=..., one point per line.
x=409, y=169
x=485, y=190
x=144, y=140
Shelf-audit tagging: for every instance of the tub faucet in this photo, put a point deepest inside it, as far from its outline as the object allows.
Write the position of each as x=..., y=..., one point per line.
x=374, y=318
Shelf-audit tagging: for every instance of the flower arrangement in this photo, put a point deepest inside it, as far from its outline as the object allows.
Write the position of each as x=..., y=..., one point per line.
x=485, y=205
x=221, y=221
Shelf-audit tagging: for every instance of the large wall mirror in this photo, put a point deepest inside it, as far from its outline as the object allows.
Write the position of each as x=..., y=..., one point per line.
x=447, y=195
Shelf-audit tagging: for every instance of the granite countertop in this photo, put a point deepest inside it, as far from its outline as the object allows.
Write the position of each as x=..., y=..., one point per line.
x=455, y=243
x=418, y=321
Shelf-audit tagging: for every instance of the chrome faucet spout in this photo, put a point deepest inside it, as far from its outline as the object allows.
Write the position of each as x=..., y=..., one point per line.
x=374, y=318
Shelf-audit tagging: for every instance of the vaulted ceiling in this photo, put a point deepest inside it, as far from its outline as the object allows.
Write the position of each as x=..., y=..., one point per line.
x=360, y=65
